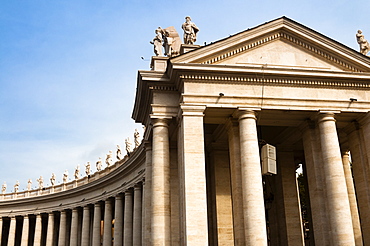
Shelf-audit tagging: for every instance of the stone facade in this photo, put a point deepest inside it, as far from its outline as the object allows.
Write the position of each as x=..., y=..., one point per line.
x=196, y=178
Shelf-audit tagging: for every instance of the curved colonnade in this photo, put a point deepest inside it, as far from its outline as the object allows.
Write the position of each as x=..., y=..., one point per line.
x=104, y=209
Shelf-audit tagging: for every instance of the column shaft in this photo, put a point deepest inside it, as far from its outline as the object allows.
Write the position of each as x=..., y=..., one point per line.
x=313, y=160
x=336, y=189
x=11, y=235
x=118, y=221
x=253, y=201
x=352, y=198
x=62, y=229
x=85, y=238
x=137, y=215
x=192, y=176
x=127, y=237
x=236, y=182
x=50, y=230
x=147, y=193
x=74, y=228
x=96, y=240
x=25, y=231
x=107, y=234
x=1, y=228
x=38, y=231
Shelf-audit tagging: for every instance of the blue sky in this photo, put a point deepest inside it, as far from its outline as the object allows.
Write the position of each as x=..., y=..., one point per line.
x=68, y=68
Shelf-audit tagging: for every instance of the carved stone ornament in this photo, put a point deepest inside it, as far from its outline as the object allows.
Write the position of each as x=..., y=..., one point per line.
x=190, y=31
x=364, y=44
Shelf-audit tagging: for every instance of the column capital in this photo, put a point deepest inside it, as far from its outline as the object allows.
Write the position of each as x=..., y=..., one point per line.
x=244, y=113
x=231, y=122
x=192, y=110
x=326, y=116
x=137, y=186
x=159, y=121
x=128, y=192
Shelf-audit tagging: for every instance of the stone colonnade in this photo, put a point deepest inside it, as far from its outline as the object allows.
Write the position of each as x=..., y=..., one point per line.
x=116, y=220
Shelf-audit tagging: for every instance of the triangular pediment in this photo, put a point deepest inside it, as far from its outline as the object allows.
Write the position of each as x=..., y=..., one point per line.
x=279, y=43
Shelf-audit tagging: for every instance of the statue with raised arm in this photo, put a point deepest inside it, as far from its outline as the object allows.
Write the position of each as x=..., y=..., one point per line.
x=41, y=182
x=136, y=138
x=128, y=146
x=65, y=176
x=77, y=172
x=119, y=153
x=98, y=165
x=171, y=42
x=190, y=31
x=3, y=188
x=52, y=179
x=108, y=159
x=87, y=168
x=364, y=44
x=157, y=42
x=16, y=187
x=29, y=184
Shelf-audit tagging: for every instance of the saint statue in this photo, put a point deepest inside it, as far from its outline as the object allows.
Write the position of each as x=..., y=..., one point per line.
x=98, y=165
x=136, y=138
x=52, y=179
x=88, y=168
x=65, y=176
x=128, y=146
x=29, y=184
x=364, y=44
x=3, y=188
x=157, y=42
x=41, y=182
x=108, y=159
x=119, y=153
x=190, y=31
x=16, y=187
x=77, y=172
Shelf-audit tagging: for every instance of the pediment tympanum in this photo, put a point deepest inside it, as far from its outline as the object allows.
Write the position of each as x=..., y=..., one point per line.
x=280, y=43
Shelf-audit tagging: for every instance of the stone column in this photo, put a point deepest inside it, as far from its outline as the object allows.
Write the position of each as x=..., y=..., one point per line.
x=192, y=176
x=137, y=215
x=161, y=220
x=320, y=227
x=74, y=228
x=62, y=228
x=11, y=235
x=96, y=225
x=253, y=201
x=50, y=230
x=236, y=181
x=361, y=174
x=85, y=237
x=118, y=221
x=336, y=190
x=127, y=237
x=352, y=198
x=291, y=209
x=1, y=228
x=38, y=231
x=107, y=233
x=25, y=231
x=147, y=192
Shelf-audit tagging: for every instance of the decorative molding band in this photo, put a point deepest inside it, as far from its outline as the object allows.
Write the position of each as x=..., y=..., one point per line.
x=281, y=35
x=163, y=88
x=278, y=81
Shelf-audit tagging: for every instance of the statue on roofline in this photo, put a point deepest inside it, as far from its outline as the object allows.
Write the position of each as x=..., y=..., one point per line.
x=41, y=182
x=190, y=31
x=29, y=184
x=65, y=176
x=157, y=42
x=98, y=165
x=3, y=188
x=87, y=168
x=119, y=153
x=364, y=44
x=108, y=159
x=16, y=187
x=52, y=179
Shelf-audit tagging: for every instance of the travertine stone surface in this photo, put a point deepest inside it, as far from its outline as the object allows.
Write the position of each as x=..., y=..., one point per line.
x=161, y=226
x=107, y=232
x=38, y=231
x=147, y=192
x=253, y=202
x=74, y=228
x=25, y=230
x=85, y=232
x=118, y=221
x=313, y=160
x=335, y=183
x=128, y=219
x=352, y=197
x=192, y=176
x=50, y=230
x=96, y=240
x=236, y=181
x=137, y=215
x=11, y=237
